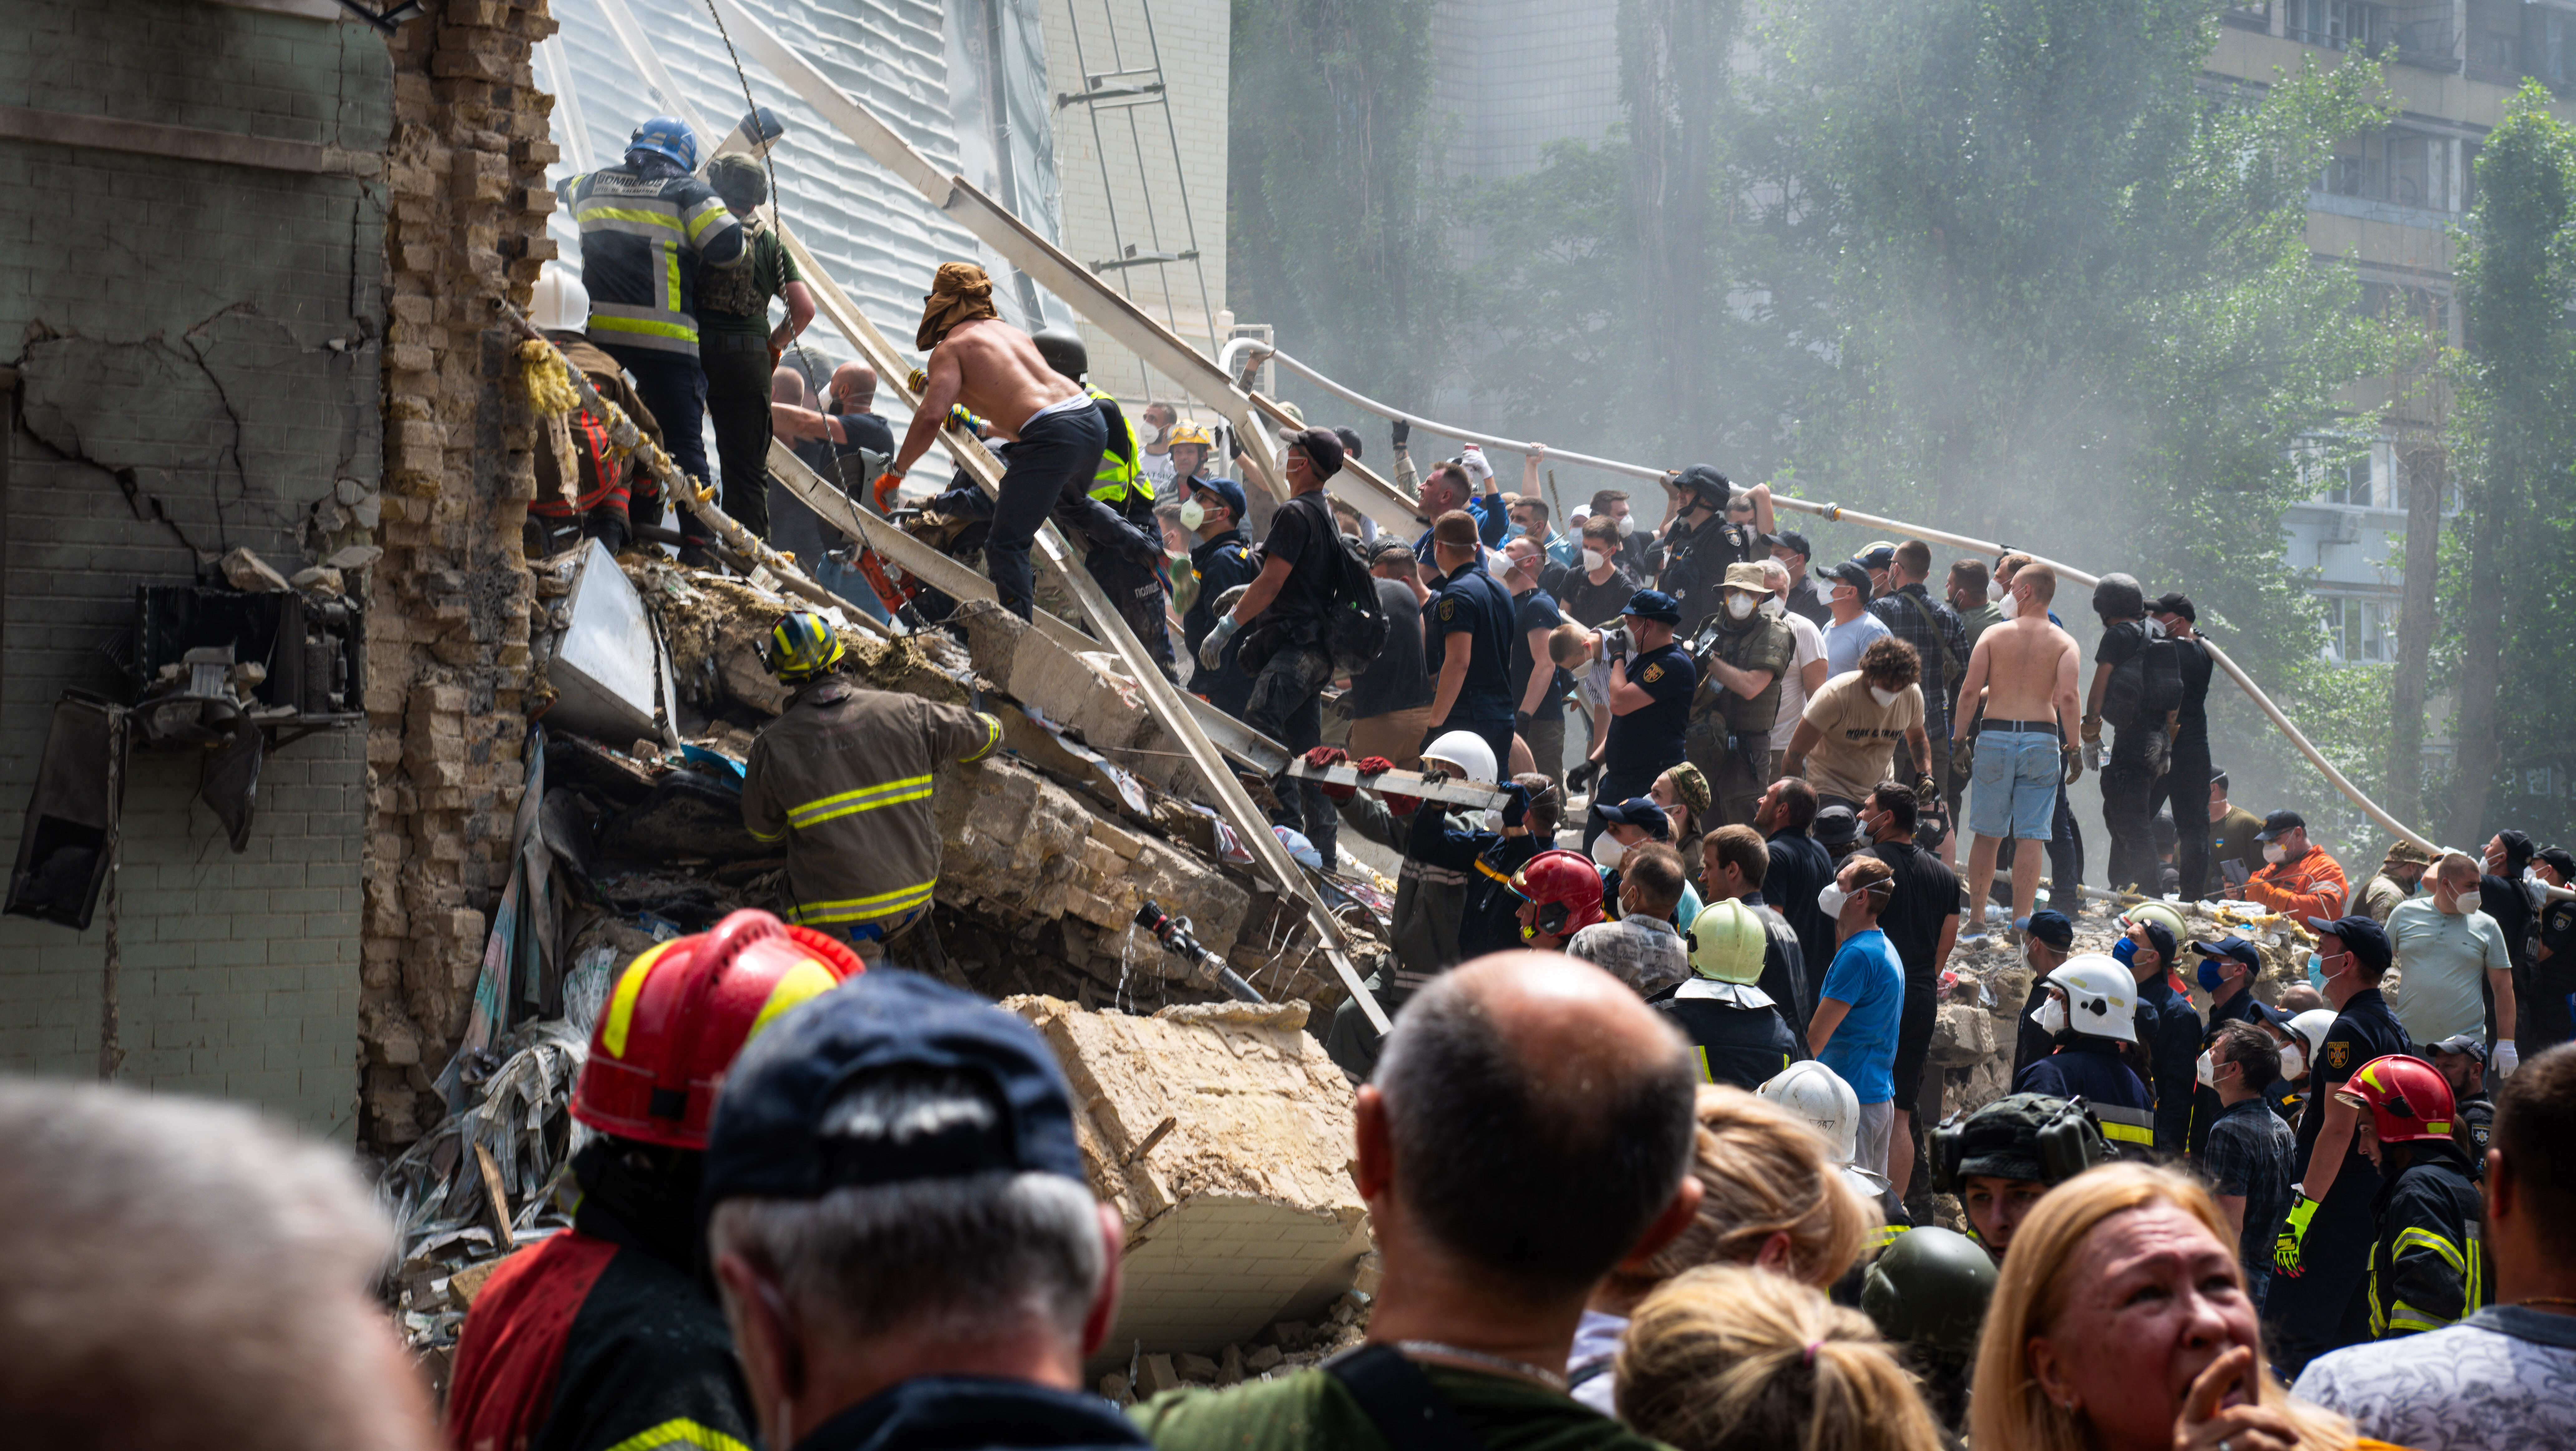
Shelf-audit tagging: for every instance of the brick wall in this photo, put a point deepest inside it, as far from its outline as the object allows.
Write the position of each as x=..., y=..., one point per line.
x=197, y=360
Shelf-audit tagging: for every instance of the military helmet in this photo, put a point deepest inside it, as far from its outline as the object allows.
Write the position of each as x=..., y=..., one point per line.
x=2029, y=1136
x=1929, y=1289
x=1062, y=348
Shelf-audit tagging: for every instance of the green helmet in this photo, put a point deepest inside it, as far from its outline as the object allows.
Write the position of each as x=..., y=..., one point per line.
x=1727, y=943
x=1929, y=1289
x=2028, y=1136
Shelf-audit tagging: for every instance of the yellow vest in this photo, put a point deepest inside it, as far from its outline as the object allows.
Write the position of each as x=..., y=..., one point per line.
x=1117, y=473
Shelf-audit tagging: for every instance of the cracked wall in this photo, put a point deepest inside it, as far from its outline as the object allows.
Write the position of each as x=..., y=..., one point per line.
x=196, y=363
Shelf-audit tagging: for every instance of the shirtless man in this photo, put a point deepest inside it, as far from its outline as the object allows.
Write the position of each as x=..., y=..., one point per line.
x=2023, y=669
x=994, y=370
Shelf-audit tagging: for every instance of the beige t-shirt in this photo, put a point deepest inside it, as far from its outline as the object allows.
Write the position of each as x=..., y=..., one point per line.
x=1856, y=736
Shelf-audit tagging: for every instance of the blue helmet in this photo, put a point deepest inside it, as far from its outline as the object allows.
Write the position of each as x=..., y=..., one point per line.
x=668, y=137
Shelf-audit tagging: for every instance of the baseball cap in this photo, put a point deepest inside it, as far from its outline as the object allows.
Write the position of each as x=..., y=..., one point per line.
x=2360, y=936
x=1877, y=555
x=1640, y=811
x=1836, y=826
x=2559, y=858
x=2469, y=1043
x=2279, y=822
x=1653, y=604
x=783, y=1130
x=1849, y=572
x=2159, y=936
x=2283, y=1020
x=1747, y=576
x=2175, y=603
x=1320, y=446
x=2050, y=927
x=1228, y=490
x=2236, y=949
x=1350, y=442
x=2517, y=849
x=1795, y=543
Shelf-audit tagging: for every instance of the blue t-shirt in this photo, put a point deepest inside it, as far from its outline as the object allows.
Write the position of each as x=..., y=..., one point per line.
x=1867, y=975
x=1650, y=739
x=1472, y=603
x=1847, y=641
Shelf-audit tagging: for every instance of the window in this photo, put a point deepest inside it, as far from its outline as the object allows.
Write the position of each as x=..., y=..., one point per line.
x=2360, y=630
x=2410, y=168
x=2556, y=62
x=2419, y=307
x=2349, y=483
x=2340, y=24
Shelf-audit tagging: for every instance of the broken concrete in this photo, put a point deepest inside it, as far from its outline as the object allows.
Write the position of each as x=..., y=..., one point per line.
x=1222, y=1132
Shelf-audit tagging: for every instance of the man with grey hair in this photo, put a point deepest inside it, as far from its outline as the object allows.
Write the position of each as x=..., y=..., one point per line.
x=186, y=1275
x=1528, y=1131
x=901, y=1231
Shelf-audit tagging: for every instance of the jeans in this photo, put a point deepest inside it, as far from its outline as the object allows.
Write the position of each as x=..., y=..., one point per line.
x=1049, y=470
x=846, y=581
x=2017, y=779
x=674, y=390
x=1288, y=706
x=737, y=371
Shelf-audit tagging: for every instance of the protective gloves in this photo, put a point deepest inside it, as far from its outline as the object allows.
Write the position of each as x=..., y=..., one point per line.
x=1322, y=756
x=2507, y=1058
x=1516, y=799
x=1373, y=765
x=884, y=490
x=2294, y=1233
x=1580, y=778
x=1928, y=792
x=2073, y=760
x=1403, y=432
x=1212, y=649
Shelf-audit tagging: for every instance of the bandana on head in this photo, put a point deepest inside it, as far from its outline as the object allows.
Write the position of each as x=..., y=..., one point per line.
x=961, y=293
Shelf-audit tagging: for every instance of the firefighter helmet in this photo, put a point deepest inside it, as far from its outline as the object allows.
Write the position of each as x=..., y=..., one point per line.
x=803, y=645
x=668, y=137
x=561, y=303
x=683, y=1009
x=1728, y=943
x=1190, y=433
x=1565, y=888
x=1818, y=1096
x=1464, y=754
x=2101, y=996
x=2407, y=1098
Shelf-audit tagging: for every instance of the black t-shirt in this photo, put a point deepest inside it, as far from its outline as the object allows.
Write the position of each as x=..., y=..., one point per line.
x=2557, y=931
x=1302, y=532
x=2503, y=899
x=2120, y=642
x=1535, y=610
x=1596, y=604
x=1474, y=604
x=1651, y=739
x=1396, y=680
x=2196, y=668
x=1927, y=894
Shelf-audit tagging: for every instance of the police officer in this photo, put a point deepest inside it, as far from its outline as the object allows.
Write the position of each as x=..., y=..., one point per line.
x=2316, y=1302
x=2461, y=1059
x=1468, y=639
x=1213, y=511
x=1742, y=649
x=2169, y=1026
x=2092, y=1009
x=1712, y=527
x=844, y=778
x=1122, y=561
x=2226, y=971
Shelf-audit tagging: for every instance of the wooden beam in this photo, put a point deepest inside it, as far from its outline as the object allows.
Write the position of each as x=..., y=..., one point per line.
x=183, y=143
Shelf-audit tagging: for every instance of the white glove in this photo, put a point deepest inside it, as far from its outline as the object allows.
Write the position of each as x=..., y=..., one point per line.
x=1472, y=459
x=2507, y=1058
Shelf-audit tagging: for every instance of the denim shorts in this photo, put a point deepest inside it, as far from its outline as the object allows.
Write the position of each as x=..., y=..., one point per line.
x=2016, y=785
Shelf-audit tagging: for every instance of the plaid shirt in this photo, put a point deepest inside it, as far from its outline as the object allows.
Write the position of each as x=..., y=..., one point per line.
x=1927, y=636
x=2253, y=1153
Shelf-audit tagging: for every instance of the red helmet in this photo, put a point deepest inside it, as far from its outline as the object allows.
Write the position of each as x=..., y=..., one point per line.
x=2407, y=1098
x=682, y=1010
x=1565, y=887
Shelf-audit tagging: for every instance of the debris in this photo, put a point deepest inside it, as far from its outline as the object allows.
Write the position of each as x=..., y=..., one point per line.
x=1262, y=1358
x=248, y=572
x=1157, y=1376
x=320, y=580
x=603, y=666
x=355, y=556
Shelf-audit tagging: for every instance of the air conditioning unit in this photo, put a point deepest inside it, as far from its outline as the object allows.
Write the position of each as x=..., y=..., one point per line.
x=2343, y=526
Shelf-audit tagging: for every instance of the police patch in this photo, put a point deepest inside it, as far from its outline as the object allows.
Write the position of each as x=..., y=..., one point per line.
x=1448, y=609
x=2338, y=1054
x=1654, y=673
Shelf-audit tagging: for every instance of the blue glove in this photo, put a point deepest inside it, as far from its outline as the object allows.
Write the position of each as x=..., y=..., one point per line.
x=1212, y=649
x=1515, y=804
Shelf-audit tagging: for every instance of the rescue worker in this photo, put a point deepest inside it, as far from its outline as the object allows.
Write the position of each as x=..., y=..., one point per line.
x=2047, y=939
x=2428, y=1267
x=647, y=225
x=1133, y=582
x=2129, y=664
x=609, y=494
x=737, y=346
x=2297, y=879
x=608, y=1334
x=1711, y=528
x=1820, y=1098
x=2092, y=1009
x=2169, y=1026
x=1560, y=895
x=1213, y=511
x=1928, y=1291
x=2316, y=1302
x=2461, y=1059
x=2002, y=1158
x=1742, y=650
x=844, y=777
x=1736, y=1032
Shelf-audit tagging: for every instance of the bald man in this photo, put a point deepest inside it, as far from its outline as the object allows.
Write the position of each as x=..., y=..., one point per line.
x=835, y=444
x=1528, y=1131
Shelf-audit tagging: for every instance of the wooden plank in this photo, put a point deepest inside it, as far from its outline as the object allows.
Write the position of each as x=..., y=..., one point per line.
x=183, y=143
x=1403, y=783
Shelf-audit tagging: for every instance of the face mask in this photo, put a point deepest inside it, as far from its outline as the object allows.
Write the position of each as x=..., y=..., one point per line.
x=2470, y=901
x=1830, y=901
x=1594, y=559
x=2293, y=1062
x=1885, y=698
x=1513, y=531
x=2205, y=1071
x=1995, y=591
x=2211, y=979
x=1193, y=515
x=2051, y=1016
x=2316, y=972
x=1609, y=851
x=2273, y=853
x=1627, y=527
x=2124, y=951
x=2008, y=607
x=1739, y=606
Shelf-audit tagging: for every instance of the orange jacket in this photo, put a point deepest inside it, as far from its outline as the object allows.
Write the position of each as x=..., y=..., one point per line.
x=2312, y=886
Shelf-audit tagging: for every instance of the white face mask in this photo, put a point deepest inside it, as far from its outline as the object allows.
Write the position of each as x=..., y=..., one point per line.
x=1609, y=851
x=2206, y=1071
x=1996, y=592
x=1739, y=606
x=2294, y=1061
x=2009, y=607
x=1193, y=515
x=1627, y=527
x=2273, y=853
x=1885, y=698
x=2470, y=901
x=2051, y=1016
x=1493, y=820
x=1830, y=901
x=1594, y=559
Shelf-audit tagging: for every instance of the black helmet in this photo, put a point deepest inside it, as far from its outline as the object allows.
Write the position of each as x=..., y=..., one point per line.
x=1929, y=1289
x=2031, y=1136
x=2119, y=597
x=1062, y=348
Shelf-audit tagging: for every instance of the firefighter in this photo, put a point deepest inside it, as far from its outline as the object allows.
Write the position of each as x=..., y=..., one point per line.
x=1818, y=1096
x=609, y=494
x=844, y=778
x=2428, y=1267
x=606, y=1335
x=1736, y=1032
x=2092, y=1010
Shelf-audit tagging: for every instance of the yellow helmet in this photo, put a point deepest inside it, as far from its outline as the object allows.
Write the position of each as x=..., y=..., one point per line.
x=1728, y=943
x=1190, y=433
x=803, y=645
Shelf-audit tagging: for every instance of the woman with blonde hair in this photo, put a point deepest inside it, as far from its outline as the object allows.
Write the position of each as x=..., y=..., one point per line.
x=1731, y=1359
x=1772, y=1199
x=2121, y=1323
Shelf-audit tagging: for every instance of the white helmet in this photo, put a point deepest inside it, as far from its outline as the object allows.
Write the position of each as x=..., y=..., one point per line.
x=562, y=304
x=2101, y=996
x=2313, y=1025
x=1465, y=754
x=1817, y=1095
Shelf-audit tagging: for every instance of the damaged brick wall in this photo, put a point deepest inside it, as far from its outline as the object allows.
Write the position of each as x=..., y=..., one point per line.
x=195, y=349
x=448, y=638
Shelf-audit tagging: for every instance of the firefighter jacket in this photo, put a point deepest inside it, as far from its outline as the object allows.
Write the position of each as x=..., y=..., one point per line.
x=2428, y=1266
x=600, y=1337
x=1737, y=1035
x=844, y=779
x=2312, y=886
x=2090, y=1068
x=604, y=480
x=643, y=234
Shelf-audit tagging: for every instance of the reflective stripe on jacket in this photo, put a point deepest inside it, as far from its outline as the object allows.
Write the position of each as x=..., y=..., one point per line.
x=845, y=779
x=642, y=238
x=2427, y=1266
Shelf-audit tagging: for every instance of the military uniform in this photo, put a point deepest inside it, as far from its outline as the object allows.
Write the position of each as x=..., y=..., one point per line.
x=1695, y=562
x=844, y=778
x=2321, y=1306
x=2473, y=1125
x=1730, y=737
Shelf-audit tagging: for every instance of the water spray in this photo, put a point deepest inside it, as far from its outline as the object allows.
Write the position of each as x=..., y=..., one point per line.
x=1207, y=969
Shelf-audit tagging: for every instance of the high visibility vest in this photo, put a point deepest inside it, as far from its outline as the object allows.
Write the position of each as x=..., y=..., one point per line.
x=1118, y=472
x=2131, y=1130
